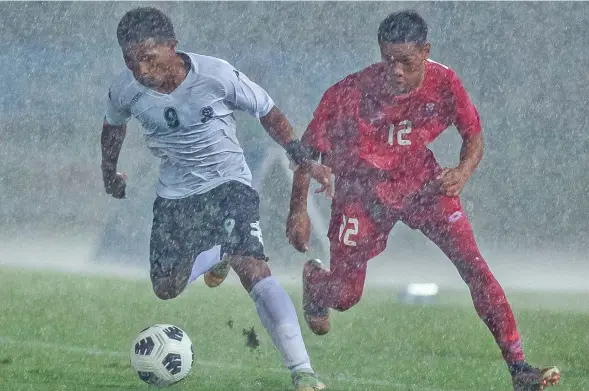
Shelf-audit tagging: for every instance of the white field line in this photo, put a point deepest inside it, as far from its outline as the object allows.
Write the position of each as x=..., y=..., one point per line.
x=358, y=381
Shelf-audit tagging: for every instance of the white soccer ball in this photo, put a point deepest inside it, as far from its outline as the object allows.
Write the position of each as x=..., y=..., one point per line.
x=162, y=355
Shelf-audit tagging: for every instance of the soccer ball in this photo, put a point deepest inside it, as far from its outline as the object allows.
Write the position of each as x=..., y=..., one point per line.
x=162, y=355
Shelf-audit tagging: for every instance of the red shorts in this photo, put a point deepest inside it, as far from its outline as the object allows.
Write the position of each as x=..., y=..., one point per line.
x=359, y=231
x=362, y=228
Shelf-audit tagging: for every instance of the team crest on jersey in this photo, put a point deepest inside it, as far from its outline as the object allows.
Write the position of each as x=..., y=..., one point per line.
x=430, y=109
x=207, y=113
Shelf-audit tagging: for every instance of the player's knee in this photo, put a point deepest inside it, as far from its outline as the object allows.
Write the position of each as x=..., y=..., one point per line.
x=348, y=297
x=167, y=288
x=347, y=302
x=250, y=270
x=165, y=292
x=169, y=278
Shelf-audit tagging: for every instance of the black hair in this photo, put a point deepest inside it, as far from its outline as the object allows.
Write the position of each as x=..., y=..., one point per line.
x=140, y=24
x=403, y=27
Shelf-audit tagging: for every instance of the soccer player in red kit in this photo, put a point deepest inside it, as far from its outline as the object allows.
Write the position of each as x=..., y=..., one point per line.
x=372, y=128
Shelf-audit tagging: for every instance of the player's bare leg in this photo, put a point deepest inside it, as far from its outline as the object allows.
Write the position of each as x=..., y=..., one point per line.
x=317, y=317
x=217, y=274
x=210, y=264
x=456, y=239
x=279, y=318
x=169, y=283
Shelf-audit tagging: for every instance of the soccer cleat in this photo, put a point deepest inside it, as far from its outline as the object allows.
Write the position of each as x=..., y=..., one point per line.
x=528, y=378
x=317, y=318
x=307, y=381
x=217, y=274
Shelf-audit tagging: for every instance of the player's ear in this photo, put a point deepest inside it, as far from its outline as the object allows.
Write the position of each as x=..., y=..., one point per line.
x=425, y=51
x=172, y=43
x=128, y=61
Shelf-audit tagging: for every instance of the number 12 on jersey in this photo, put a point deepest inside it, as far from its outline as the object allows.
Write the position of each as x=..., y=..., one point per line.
x=348, y=228
x=403, y=128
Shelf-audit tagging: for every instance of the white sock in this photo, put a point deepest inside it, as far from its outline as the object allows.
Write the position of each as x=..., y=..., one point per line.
x=204, y=261
x=279, y=317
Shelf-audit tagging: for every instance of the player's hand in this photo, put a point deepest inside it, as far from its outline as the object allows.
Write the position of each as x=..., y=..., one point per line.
x=452, y=181
x=321, y=174
x=115, y=184
x=298, y=230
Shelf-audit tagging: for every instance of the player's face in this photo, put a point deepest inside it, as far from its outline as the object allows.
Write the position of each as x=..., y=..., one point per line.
x=150, y=62
x=405, y=64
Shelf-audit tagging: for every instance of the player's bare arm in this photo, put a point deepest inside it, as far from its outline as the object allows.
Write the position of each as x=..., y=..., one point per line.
x=298, y=224
x=278, y=127
x=111, y=142
x=471, y=153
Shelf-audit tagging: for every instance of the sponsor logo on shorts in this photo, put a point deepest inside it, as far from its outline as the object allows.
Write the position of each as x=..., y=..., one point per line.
x=454, y=217
x=257, y=231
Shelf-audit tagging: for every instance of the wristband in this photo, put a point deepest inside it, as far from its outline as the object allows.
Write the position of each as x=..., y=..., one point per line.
x=297, y=152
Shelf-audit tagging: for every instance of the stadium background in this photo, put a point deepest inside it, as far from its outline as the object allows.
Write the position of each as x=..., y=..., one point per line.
x=524, y=64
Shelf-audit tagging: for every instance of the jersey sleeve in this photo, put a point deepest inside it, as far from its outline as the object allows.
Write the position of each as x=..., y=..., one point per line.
x=115, y=115
x=245, y=95
x=316, y=136
x=466, y=117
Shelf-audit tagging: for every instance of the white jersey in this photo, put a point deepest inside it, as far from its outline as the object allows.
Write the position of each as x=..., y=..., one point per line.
x=192, y=129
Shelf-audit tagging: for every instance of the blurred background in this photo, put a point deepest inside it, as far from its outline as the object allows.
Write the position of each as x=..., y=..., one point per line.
x=523, y=63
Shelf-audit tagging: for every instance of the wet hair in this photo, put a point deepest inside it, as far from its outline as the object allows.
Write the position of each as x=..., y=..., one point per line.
x=140, y=24
x=403, y=27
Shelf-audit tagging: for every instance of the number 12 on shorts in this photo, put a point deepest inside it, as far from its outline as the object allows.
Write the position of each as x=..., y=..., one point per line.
x=348, y=228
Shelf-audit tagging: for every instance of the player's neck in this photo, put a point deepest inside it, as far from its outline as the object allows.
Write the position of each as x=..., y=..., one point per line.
x=409, y=89
x=394, y=91
x=177, y=73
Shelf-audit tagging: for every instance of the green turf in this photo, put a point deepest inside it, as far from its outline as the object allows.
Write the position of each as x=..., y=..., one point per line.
x=60, y=332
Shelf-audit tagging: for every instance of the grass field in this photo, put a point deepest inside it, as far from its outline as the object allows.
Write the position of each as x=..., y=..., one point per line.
x=65, y=332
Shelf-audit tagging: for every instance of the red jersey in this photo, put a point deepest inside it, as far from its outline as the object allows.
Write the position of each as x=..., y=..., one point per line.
x=380, y=140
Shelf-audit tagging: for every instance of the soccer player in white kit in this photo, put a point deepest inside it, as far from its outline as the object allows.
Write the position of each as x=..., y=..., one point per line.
x=206, y=208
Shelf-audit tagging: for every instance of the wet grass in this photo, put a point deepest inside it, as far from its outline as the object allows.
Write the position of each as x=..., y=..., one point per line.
x=63, y=332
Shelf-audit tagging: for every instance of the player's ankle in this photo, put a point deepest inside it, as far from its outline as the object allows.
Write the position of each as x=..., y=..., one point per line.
x=303, y=367
x=517, y=366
